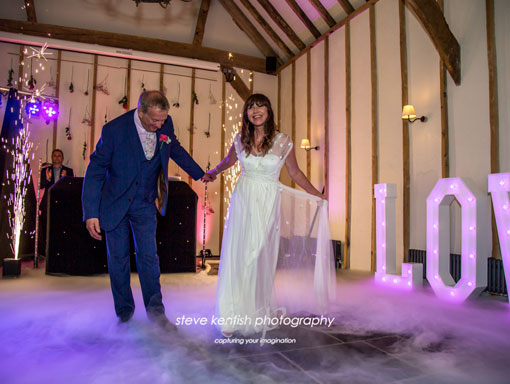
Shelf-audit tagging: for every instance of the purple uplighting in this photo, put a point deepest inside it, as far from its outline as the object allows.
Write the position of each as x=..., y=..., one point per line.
x=51, y=110
x=33, y=108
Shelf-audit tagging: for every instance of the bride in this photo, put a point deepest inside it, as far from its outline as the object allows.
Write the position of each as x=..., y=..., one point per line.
x=276, y=254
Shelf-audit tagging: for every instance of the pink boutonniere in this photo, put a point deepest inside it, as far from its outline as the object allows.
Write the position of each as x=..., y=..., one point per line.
x=164, y=139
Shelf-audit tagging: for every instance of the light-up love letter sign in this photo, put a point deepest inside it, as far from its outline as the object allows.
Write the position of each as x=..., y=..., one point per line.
x=475, y=236
x=412, y=273
x=499, y=187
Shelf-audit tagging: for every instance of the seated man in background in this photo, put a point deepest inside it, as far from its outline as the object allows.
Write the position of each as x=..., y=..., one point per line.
x=50, y=174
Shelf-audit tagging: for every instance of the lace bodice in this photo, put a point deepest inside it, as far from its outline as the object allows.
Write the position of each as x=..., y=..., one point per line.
x=267, y=166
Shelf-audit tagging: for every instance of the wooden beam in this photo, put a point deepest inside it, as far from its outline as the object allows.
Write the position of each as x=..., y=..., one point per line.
x=273, y=13
x=493, y=87
x=240, y=87
x=128, y=83
x=279, y=76
x=445, y=130
x=326, y=116
x=493, y=111
x=191, y=117
x=347, y=6
x=161, y=77
x=308, y=112
x=431, y=17
x=337, y=26
x=138, y=43
x=93, y=108
x=375, y=132
x=303, y=17
x=348, y=173
x=272, y=34
x=405, y=132
x=202, y=18
x=21, y=66
x=30, y=8
x=293, y=118
x=323, y=12
x=247, y=27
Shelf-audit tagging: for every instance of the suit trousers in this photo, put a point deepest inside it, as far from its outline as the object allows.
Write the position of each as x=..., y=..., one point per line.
x=141, y=219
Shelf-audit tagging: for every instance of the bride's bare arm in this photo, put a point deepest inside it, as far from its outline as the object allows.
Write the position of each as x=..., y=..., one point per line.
x=298, y=176
x=224, y=164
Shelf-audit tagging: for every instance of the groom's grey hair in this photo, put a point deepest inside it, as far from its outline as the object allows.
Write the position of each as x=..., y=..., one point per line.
x=154, y=99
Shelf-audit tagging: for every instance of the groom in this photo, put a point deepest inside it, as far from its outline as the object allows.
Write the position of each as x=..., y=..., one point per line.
x=125, y=184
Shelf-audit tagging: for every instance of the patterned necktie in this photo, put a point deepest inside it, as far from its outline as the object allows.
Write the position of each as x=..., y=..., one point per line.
x=149, y=145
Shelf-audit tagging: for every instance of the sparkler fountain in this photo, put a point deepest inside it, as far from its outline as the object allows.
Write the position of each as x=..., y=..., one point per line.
x=18, y=181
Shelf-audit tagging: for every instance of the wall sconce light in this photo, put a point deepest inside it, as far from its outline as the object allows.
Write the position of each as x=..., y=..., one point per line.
x=408, y=113
x=305, y=144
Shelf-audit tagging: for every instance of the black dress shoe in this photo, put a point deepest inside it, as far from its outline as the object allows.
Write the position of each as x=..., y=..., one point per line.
x=161, y=321
x=124, y=318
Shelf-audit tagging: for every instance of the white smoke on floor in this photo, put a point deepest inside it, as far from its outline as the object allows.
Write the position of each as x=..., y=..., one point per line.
x=63, y=329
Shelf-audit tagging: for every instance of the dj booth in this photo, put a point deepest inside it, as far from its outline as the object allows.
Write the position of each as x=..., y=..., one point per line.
x=70, y=249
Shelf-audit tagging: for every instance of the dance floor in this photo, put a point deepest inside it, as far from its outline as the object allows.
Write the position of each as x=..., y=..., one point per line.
x=62, y=329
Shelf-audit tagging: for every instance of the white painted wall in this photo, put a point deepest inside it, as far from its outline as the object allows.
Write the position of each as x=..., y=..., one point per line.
x=337, y=134
x=389, y=106
x=424, y=138
x=361, y=144
x=468, y=103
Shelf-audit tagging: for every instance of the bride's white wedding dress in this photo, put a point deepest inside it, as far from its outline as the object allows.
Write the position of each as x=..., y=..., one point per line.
x=276, y=250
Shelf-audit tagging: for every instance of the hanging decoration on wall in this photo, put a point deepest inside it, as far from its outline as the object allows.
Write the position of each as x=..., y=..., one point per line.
x=102, y=86
x=51, y=82
x=71, y=86
x=10, y=77
x=86, y=117
x=32, y=81
x=208, y=132
x=195, y=98
x=124, y=100
x=68, y=128
x=86, y=93
x=142, y=85
x=84, y=152
x=212, y=100
x=176, y=103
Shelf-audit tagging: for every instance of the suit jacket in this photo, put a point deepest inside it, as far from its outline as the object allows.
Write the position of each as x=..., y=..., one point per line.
x=45, y=184
x=111, y=179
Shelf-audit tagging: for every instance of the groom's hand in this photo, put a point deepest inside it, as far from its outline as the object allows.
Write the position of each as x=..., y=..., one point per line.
x=208, y=177
x=92, y=225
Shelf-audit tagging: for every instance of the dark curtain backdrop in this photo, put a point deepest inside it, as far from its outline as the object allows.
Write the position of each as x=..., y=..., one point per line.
x=10, y=128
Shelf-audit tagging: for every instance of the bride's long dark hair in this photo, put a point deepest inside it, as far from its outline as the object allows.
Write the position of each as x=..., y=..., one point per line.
x=248, y=129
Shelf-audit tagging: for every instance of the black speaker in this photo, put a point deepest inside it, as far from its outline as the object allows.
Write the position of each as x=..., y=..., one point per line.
x=71, y=250
x=69, y=247
x=271, y=64
x=176, y=234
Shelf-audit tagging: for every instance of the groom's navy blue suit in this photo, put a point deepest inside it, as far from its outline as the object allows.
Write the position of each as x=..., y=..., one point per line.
x=120, y=188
